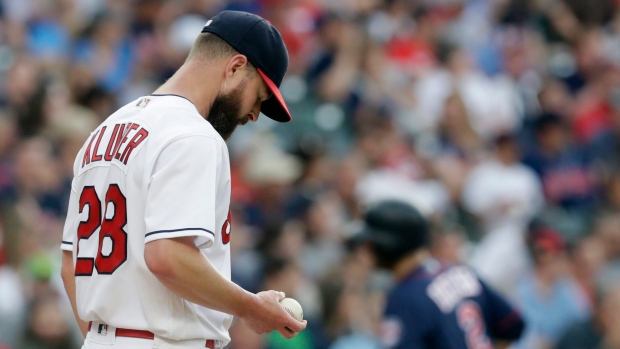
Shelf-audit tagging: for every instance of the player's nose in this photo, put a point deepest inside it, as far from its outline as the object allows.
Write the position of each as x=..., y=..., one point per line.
x=253, y=115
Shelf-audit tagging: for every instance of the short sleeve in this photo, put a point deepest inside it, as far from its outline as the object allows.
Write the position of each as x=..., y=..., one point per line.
x=182, y=191
x=70, y=228
x=504, y=321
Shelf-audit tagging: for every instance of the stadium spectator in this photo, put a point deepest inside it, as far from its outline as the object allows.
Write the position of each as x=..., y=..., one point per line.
x=549, y=297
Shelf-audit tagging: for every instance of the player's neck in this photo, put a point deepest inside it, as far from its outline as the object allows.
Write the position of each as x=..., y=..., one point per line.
x=405, y=266
x=199, y=83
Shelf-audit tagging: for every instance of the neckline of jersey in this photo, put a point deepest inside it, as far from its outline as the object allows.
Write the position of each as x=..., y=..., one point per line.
x=169, y=95
x=175, y=95
x=426, y=270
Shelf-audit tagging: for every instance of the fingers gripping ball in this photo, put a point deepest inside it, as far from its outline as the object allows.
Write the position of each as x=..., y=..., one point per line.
x=293, y=307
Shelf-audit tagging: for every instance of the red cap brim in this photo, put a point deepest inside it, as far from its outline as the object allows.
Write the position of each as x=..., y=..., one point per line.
x=274, y=107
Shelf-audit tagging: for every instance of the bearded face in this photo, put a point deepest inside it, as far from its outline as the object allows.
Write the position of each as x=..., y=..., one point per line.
x=225, y=113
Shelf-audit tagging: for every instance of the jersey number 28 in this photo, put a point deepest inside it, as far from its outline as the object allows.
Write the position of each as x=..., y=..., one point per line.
x=111, y=222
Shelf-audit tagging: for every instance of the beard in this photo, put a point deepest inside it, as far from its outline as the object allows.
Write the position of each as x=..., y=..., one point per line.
x=224, y=114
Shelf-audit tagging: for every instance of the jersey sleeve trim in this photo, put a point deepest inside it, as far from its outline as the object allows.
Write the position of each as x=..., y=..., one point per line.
x=66, y=245
x=510, y=328
x=508, y=321
x=203, y=238
x=177, y=230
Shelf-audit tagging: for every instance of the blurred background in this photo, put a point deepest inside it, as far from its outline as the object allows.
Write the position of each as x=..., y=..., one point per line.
x=499, y=119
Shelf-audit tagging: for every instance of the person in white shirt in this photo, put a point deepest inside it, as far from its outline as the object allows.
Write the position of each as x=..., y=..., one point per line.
x=502, y=191
x=505, y=195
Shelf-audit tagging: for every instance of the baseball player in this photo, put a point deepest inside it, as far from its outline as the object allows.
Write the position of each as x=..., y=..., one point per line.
x=432, y=305
x=146, y=260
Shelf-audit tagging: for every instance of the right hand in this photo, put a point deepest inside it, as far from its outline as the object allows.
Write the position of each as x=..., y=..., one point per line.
x=268, y=315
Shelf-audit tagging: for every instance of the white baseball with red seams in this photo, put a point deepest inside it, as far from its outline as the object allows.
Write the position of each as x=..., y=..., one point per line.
x=293, y=307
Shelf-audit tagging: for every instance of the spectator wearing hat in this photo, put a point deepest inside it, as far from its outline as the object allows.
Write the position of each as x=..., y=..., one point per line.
x=549, y=298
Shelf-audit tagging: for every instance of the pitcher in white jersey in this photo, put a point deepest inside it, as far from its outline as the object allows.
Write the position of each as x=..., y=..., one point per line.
x=146, y=243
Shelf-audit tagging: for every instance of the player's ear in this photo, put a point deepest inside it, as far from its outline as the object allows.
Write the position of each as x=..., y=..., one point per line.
x=236, y=66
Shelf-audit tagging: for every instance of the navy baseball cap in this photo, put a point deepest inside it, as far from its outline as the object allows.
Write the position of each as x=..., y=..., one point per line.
x=258, y=40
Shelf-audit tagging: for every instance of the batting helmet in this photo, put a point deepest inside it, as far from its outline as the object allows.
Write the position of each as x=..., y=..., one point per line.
x=394, y=229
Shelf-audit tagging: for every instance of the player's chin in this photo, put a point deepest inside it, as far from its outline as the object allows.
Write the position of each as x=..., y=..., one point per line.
x=226, y=134
x=243, y=120
x=226, y=130
x=229, y=134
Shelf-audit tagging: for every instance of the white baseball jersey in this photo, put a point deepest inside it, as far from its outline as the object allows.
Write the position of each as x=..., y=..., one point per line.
x=155, y=169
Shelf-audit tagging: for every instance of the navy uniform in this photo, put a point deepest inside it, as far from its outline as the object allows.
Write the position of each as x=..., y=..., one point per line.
x=432, y=306
x=447, y=308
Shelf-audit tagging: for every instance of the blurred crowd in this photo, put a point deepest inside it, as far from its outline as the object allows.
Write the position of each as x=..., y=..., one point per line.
x=499, y=119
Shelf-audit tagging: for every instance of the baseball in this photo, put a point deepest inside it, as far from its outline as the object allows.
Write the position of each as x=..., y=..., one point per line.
x=293, y=307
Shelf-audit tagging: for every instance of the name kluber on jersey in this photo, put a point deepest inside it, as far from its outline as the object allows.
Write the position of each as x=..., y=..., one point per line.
x=113, y=144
